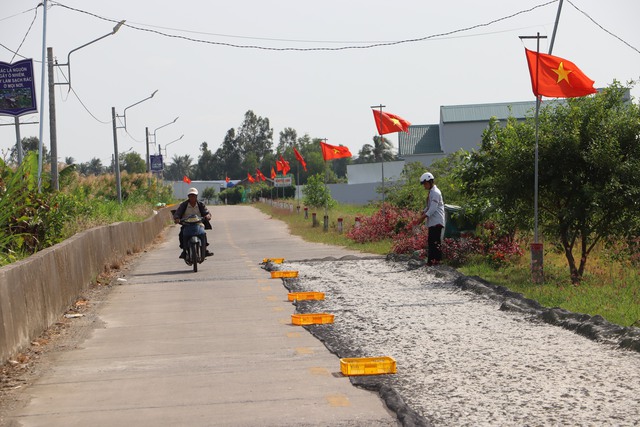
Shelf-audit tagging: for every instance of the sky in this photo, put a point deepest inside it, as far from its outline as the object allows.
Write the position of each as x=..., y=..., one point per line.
x=446, y=53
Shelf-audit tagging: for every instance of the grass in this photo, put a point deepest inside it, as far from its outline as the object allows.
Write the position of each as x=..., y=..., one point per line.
x=609, y=288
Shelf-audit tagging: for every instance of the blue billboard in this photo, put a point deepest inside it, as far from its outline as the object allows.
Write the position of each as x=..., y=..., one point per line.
x=17, y=88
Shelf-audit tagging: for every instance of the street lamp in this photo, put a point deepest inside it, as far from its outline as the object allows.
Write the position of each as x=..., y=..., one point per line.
x=154, y=138
x=52, y=102
x=166, y=145
x=116, y=165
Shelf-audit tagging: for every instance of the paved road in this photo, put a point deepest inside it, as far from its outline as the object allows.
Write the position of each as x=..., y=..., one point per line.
x=213, y=348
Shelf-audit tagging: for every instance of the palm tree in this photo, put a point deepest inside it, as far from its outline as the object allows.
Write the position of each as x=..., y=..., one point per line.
x=180, y=166
x=381, y=150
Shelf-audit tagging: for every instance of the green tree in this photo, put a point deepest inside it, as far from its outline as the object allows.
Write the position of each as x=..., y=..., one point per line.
x=255, y=136
x=381, y=150
x=29, y=145
x=132, y=162
x=179, y=167
x=208, y=167
x=93, y=167
x=288, y=139
x=589, y=172
x=315, y=194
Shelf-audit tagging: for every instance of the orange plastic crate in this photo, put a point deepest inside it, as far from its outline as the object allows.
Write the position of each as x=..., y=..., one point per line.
x=311, y=319
x=368, y=366
x=283, y=274
x=299, y=296
x=273, y=260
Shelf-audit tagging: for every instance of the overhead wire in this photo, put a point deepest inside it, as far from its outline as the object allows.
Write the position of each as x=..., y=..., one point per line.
x=298, y=49
x=27, y=33
x=601, y=27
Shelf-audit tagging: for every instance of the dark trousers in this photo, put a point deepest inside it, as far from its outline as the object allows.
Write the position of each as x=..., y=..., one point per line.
x=434, y=244
x=183, y=241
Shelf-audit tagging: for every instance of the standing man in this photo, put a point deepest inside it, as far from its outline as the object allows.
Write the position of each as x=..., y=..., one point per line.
x=433, y=213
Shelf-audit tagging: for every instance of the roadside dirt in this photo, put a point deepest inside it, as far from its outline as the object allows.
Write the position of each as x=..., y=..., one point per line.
x=73, y=327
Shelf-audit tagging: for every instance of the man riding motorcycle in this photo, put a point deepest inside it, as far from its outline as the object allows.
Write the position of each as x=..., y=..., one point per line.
x=190, y=207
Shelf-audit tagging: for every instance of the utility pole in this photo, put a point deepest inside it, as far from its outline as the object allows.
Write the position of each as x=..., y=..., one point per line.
x=116, y=161
x=52, y=122
x=146, y=133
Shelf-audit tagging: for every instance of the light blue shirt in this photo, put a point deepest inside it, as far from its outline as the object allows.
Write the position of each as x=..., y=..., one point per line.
x=435, y=207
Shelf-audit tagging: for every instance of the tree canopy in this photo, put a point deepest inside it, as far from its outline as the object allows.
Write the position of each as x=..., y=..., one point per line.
x=589, y=172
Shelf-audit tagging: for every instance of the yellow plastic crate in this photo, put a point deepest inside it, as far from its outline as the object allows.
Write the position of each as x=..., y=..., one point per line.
x=283, y=274
x=299, y=296
x=368, y=366
x=273, y=260
x=311, y=319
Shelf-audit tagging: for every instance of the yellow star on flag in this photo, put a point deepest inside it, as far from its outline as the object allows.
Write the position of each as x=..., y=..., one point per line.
x=562, y=73
x=396, y=122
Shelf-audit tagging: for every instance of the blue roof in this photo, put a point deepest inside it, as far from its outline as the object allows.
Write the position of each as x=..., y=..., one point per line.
x=483, y=112
x=421, y=139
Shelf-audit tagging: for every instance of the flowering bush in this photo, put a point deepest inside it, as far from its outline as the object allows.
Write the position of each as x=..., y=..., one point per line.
x=456, y=252
x=385, y=223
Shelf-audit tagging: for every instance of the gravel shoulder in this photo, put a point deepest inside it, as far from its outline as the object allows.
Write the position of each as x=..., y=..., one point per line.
x=469, y=354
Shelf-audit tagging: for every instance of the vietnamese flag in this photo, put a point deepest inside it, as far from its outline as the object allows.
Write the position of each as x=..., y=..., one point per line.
x=300, y=159
x=260, y=175
x=273, y=173
x=250, y=178
x=285, y=165
x=279, y=166
x=330, y=152
x=227, y=179
x=186, y=179
x=389, y=123
x=556, y=77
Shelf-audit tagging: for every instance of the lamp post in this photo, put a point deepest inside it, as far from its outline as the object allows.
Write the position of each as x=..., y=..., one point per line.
x=168, y=144
x=154, y=138
x=116, y=163
x=52, y=102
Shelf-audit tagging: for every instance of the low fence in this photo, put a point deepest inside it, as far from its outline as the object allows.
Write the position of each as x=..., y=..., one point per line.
x=34, y=292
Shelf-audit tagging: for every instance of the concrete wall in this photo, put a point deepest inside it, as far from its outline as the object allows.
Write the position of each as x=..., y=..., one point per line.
x=36, y=291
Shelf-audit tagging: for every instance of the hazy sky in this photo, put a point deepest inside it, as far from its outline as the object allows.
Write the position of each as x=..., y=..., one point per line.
x=324, y=93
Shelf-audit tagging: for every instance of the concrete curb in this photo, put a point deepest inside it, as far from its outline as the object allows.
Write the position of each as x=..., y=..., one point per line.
x=35, y=291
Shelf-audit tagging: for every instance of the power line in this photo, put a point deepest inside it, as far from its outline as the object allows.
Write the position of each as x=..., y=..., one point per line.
x=25, y=36
x=601, y=27
x=367, y=46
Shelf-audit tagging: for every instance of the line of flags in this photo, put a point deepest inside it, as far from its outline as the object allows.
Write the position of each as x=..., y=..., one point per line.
x=551, y=76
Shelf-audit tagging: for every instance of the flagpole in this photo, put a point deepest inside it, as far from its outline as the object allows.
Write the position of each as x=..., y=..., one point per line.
x=325, y=226
x=536, y=248
x=382, y=154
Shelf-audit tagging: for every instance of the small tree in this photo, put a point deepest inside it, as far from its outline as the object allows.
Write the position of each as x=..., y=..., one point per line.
x=316, y=194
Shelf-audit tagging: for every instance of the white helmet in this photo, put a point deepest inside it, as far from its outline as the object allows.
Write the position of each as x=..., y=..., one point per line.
x=192, y=191
x=427, y=176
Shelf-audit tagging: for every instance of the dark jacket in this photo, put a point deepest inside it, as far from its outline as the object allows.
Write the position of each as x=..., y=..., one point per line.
x=203, y=212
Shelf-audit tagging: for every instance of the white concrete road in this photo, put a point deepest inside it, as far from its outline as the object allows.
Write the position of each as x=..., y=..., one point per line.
x=212, y=348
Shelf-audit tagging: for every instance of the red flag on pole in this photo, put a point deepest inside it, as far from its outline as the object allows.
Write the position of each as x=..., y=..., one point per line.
x=186, y=179
x=278, y=165
x=227, y=179
x=389, y=123
x=250, y=178
x=285, y=165
x=260, y=175
x=300, y=158
x=273, y=173
x=330, y=152
x=556, y=77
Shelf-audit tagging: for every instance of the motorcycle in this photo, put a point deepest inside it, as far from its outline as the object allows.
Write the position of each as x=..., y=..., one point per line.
x=193, y=241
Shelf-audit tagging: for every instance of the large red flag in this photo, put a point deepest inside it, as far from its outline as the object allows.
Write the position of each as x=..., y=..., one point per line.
x=186, y=179
x=556, y=77
x=285, y=165
x=260, y=175
x=250, y=178
x=273, y=173
x=389, y=123
x=279, y=166
x=330, y=152
x=300, y=159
